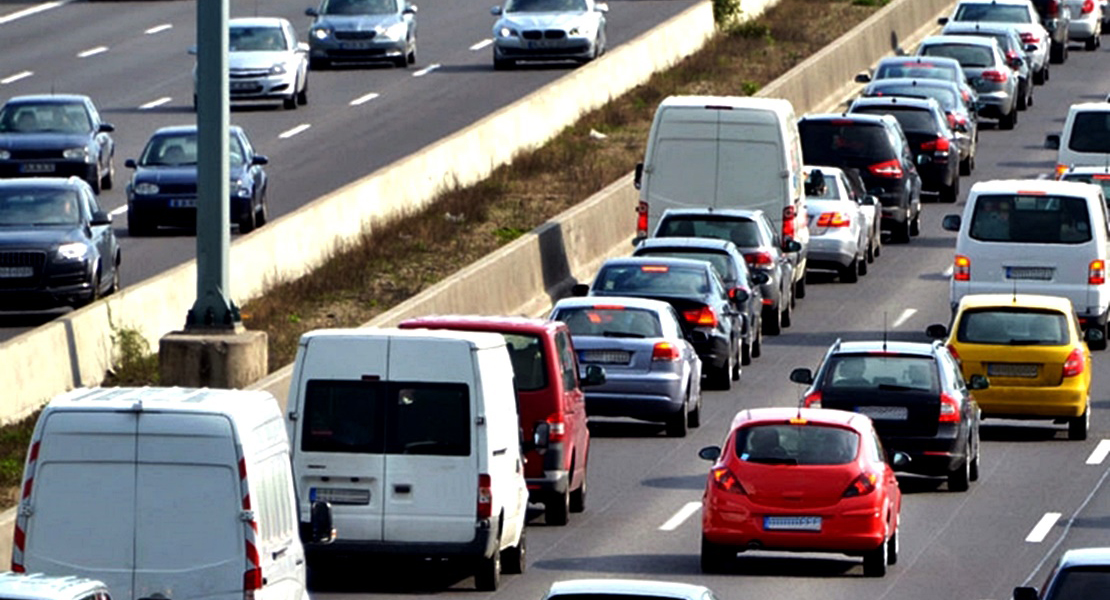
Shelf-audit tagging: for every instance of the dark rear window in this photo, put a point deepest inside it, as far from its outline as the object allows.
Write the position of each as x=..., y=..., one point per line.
x=1013, y=326
x=881, y=371
x=611, y=321
x=1033, y=218
x=997, y=13
x=529, y=361
x=378, y=417
x=720, y=261
x=1090, y=132
x=911, y=119
x=1081, y=582
x=1102, y=181
x=918, y=70
x=742, y=232
x=946, y=97
x=652, y=279
x=834, y=141
x=791, y=444
x=968, y=55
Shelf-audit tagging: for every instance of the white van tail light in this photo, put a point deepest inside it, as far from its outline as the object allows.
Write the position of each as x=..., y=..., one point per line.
x=485, y=496
x=1096, y=272
x=19, y=536
x=642, y=219
x=1060, y=170
x=961, y=269
x=252, y=575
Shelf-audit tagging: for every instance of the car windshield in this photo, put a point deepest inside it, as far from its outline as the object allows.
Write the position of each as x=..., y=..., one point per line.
x=359, y=7
x=30, y=206
x=831, y=142
x=610, y=321
x=172, y=150
x=946, y=97
x=527, y=355
x=1090, y=132
x=911, y=119
x=969, y=56
x=998, y=13
x=653, y=279
x=545, y=6
x=719, y=260
x=1038, y=219
x=256, y=39
x=1080, y=582
x=46, y=117
x=881, y=371
x=742, y=232
x=921, y=70
x=1013, y=326
x=790, y=444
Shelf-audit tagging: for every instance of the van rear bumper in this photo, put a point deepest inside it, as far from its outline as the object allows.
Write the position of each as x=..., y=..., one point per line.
x=484, y=543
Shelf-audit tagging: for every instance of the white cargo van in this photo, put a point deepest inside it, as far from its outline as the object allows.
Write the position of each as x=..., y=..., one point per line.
x=724, y=152
x=163, y=493
x=412, y=436
x=1035, y=237
x=1086, y=137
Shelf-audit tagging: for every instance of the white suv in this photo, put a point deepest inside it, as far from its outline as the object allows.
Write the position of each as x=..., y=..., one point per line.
x=18, y=586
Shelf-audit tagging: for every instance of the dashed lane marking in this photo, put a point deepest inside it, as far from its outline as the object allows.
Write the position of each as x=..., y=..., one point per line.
x=294, y=131
x=364, y=99
x=1041, y=529
x=902, y=318
x=92, y=52
x=679, y=517
x=19, y=14
x=16, y=77
x=1099, y=453
x=155, y=103
x=482, y=44
x=426, y=70
x=158, y=29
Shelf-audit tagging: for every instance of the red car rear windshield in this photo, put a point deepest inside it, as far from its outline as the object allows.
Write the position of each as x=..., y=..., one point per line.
x=808, y=444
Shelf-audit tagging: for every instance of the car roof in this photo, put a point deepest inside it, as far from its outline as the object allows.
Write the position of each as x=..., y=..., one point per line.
x=1080, y=557
x=38, y=586
x=947, y=84
x=40, y=182
x=1047, y=186
x=182, y=129
x=904, y=60
x=1006, y=2
x=746, y=213
x=775, y=104
x=1093, y=106
x=659, y=260
x=928, y=104
x=984, y=26
x=47, y=99
x=636, y=587
x=825, y=170
x=889, y=347
x=505, y=324
x=958, y=40
x=824, y=416
x=257, y=21
x=1024, y=300
x=701, y=243
x=625, y=301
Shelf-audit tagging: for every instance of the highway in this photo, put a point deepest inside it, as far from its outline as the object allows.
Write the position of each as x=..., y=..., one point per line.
x=132, y=60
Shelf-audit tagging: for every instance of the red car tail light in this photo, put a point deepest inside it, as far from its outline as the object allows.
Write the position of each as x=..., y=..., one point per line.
x=642, y=219
x=1073, y=366
x=557, y=429
x=704, y=317
x=949, y=409
x=834, y=219
x=760, y=258
x=485, y=496
x=1088, y=7
x=888, y=168
x=941, y=144
x=1096, y=272
x=665, y=351
x=995, y=76
x=725, y=481
x=862, y=486
x=961, y=270
x=812, y=400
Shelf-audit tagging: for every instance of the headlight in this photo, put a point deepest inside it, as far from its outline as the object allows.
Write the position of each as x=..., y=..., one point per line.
x=320, y=33
x=277, y=69
x=145, y=189
x=242, y=188
x=75, y=153
x=74, y=251
x=506, y=32
x=5, y=155
x=395, y=31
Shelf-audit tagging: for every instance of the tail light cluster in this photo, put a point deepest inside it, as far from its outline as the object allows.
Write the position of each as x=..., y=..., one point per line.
x=995, y=76
x=939, y=147
x=949, y=409
x=556, y=428
x=702, y=317
x=1074, y=364
x=761, y=258
x=485, y=496
x=1096, y=272
x=725, y=481
x=834, y=219
x=1012, y=54
x=961, y=270
x=812, y=400
x=642, y=219
x=888, y=168
x=862, y=485
x=665, y=351
x=1088, y=7
x=1027, y=37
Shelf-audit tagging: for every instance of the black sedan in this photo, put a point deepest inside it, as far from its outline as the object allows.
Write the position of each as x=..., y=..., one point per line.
x=57, y=247
x=916, y=396
x=710, y=318
x=56, y=135
x=163, y=189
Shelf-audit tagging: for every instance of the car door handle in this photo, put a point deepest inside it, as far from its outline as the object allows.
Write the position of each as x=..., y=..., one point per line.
x=402, y=488
x=279, y=553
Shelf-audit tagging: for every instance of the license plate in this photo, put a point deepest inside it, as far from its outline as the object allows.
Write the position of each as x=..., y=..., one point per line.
x=36, y=168
x=183, y=203
x=357, y=45
x=538, y=44
x=885, y=413
x=339, y=495
x=1012, y=369
x=1034, y=273
x=241, y=86
x=609, y=357
x=16, y=272
x=792, y=523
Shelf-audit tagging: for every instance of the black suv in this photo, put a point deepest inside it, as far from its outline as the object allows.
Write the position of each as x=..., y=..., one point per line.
x=876, y=145
x=916, y=396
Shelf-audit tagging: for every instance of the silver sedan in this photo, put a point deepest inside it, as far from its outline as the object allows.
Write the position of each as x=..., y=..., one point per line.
x=839, y=232
x=548, y=30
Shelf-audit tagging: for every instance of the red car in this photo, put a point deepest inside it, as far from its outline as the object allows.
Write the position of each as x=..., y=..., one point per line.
x=548, y=390
x=801, y=479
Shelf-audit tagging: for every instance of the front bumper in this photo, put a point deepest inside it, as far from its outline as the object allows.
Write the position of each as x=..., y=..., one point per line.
x=179, y=211
x=377, y=49
x=53, y=285
x=274, y=87
x=48, y=167
x=568, y=48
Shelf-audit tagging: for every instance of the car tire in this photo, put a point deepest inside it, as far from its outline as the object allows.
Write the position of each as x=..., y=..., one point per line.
x=772, y=320
x=878, y=251
x=289, y=102
x=488, y=573
x=556, y=509
x=1023, y=96
x=1057, y=53
x=1007, y=122
x=915, y=224
x=693, y=418
x=863, y=263
x=514, y=559
x=1079, y=426
x=875, y=561
x=787, y=314
x=677, y=424
x=1029, y=100
x=262, y=214
x=949, y=194
x=738, y=360
x=95, y=181
x=745, y=356
x=757, y=343
x=965, y=166
x=1101, y=344
x=1040, y=76
x=800, y=288
x=248, y=223
x=893, y=547
x=715, y=558
x=411, y=56
x=94, y=293
x=973, y=469
x=302, y=96
x=850, y=272
x=1091, y=43
x=108, y=179
x=959, y=479
x=116, y=279
x=870, y=251
x=720, y=378
x=578, y=497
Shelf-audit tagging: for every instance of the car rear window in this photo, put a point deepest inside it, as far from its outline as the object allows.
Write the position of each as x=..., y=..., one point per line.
x=836, y=140
x=968, y=55
x=1081, y=582
x=610, y=321
x=883, y=371
x=998, y=13
x=797, y=444
x=1013, y=326
x=739, y=231
x=946, y=97
x=825, y=187
x=529, y=361
x=719, y=260
x=1039, y=219
x=911, y=119
x=918, y=70
x=652, y=279
x=1090, y=132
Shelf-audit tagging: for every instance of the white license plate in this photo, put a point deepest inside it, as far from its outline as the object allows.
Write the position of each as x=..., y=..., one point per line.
x=1033, y=273
x=608, y=357
x=36, y=168
x=357, y=45
x=16, y=272
x=539, y=44
x=183, y=203
x=885, y=413
x=243, y=85
x=339, y=495
x=792, y=523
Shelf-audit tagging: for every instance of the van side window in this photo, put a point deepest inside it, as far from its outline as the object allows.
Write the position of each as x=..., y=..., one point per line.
x=529, y=366
x=1090, y=132
x=1032, y=219
x=568, y=365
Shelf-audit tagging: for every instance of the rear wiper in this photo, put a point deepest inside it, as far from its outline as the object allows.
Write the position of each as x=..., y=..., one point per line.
x=622, y=334
x=770, y=460
x=893, y=387
x=1025, y=342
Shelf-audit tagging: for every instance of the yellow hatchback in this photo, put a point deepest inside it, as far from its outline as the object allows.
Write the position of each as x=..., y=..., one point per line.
x=1030, y=348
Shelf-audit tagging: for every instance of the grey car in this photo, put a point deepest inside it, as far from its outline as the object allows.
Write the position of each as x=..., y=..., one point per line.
x=652, y=372
x=362, y=31
x=548, y=30
x=986, y=68
x=839, y=232
x=1008, y=38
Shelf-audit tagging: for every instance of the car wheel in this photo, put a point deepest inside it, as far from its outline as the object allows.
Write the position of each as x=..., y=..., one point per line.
x=247, y=223
x=578, y=497
x=863, y=263
x=116, y=279
x=514, y=558
x=715, y=558
x=959, y=479
x=738, y=359
x=693, y=418
x=262, y=214
x=401, y=62
x=1078, y=426
x=757, y=343
x=787, y=312
x=870, y=251
x=556, y=509
x=850, y=272
x=902, y=234
x=488, y=574
x=1100, y=344
x=973, y=470
x=1007, y=122
x=950, y=193
x=772, y=320
x=1057, y=53
x=411, y=56
x=94, y=292
x=1029, y=100
x=1041, y=75
x=1091, y=43
x=676, y=424
x=289, y=102
x=893, y=547
x=878, y=244
x=302, y=96
x=875, y=561
x=109, y=178
x=1022, y=97
x=745, y=356
x=95, y=181
x=915, y=224
x=720, y=378
x=965, y=166
x=800, y=288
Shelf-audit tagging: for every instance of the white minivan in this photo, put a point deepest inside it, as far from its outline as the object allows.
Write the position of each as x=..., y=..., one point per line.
x=412, y=436
x=1086, y=137
x=1035, y=236
x=721, y=152
x=164, y=493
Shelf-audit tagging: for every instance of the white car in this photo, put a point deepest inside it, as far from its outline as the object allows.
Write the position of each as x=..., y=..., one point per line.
x=548, y=30
x=1019, y=14
x=631, y=588
x=839, y=231
x=1086, y=22
x=265, y=62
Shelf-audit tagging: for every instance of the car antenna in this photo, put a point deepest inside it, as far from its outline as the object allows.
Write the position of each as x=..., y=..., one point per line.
x=884, y=331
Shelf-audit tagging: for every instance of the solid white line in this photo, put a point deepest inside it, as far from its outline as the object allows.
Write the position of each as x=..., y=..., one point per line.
x=154, y=103
x=294, y=131
x=1099, y=453
x=158, y=29
x=481, y=44
x=16, y=77
x=1040, y=531
x=92, y=52
x=30, y=11
x=683, y=513
x=364, y=99
x=119, y=211
x=902, y=318
x=426, y=70
x=948, y=271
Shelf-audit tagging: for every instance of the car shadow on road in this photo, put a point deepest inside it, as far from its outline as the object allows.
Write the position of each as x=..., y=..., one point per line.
x=625, y=429
x=1035, y=431
x=388, y=575
x=753, y=564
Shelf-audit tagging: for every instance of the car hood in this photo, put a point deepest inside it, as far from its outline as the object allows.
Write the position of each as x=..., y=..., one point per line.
x=181, y=174
x=356, y=22
x=257, y=59
x=42, y=141
x=545, y=20
x=39, y=236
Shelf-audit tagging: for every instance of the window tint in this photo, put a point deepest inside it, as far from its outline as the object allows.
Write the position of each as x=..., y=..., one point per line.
x=911, y=119
x=1090, y=132
x=39, y=205
x=1016, y=327
x=1034, y=219
x=719, y=260
x=881, y=371
x=918, y=70
x=1081, y=582
x=797, y=444
x=611, y=322
x=999, y=13
x=834, y=141
x=653, y=279
x=529, y=364
x=742, y=232
x=969, y=56
x=567, y=362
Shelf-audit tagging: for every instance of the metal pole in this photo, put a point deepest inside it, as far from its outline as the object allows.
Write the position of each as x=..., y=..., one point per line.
x=213, y=308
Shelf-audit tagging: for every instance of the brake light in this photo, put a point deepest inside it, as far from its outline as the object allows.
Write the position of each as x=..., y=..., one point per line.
x=952, y=351
x=1060, y=170
x=703, y=316
x=1088, y=6
x=995, y=76
x=1096, y=272
x=862, y=486
x=726, y=481
x=1074, y=364
x=941, y=144
x=642, y=219
x=833, y=219
x=1027, y=37
x=1011, y=55
x=665, y=351
x=949, y=409
x=812, y=400
x=556, y=428
x=952, y=121
x=761, y=258
x=788, y=215
x=1053, y=8
x=888, y=168
x=485, y=496
x=961, y=270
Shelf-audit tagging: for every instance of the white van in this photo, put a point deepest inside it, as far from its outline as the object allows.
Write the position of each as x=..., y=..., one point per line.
x=1086, y=137
x=163, y=493
x=724, y=152
x=412, y=436
x=1035, y=237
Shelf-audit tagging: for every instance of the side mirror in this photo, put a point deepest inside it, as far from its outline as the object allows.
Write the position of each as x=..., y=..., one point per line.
x=541, y=436
x=759, y=277
x=106, y=128
x=863, y=77
x=1026, y=593
x=711, y=453
x=951, y=222
x=801, y=375
x=791, y=245
x=978, y=382
x=936, y=332
x=638, y=176
x=259, y=159
x=739, y=295
x=601, y=7
x=130, y=163
x=868, y=201
x=322, y=530
x=102, y=218
x=312, y=12
x=595, y=375
x=1052, y=141
x=192, y=50
x=899, y=459
x=495, y=11
x=410, y=9
x=580, y=289
x=1094, y=335
x=942, y=21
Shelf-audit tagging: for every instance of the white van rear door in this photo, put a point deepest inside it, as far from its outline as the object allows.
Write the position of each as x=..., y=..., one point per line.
x=682, y=166
x=753, y=172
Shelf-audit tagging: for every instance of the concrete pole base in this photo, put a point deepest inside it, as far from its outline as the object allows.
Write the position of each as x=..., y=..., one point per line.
x=230, y=359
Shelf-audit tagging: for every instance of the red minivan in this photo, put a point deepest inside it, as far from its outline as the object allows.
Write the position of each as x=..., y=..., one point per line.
x=548, y=391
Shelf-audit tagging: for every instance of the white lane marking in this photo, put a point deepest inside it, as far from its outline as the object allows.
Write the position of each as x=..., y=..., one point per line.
x=902, y=318
x=1099, y=453
x=481, y=44
x=154, y=103
x=679, y=517
x=1041, y=529
x=294, y=131
x=426, y=70
x=948, y=271
x=364, y=99
x=92, y=52
x=118, y=211
x=8, y=18
x=16, y=77
x=158, y=29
